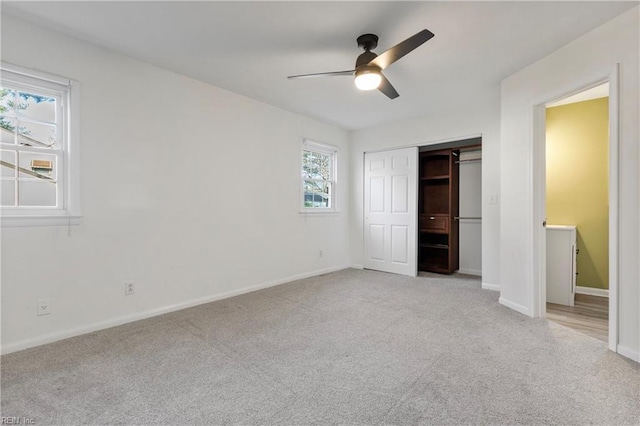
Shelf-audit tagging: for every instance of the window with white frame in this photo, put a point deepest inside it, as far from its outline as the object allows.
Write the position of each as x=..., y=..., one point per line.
x=318, y=177
x=36, y=170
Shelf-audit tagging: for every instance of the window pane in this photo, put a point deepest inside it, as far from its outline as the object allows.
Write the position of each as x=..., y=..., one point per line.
x=312, y=186
x=36, y=134
x=7, y=102
x=324, y=166
x=316, y=165
x=36, y=193
x=326, y=195
x=307, y=160
x=33, y=165
x=8, y=189
x=7, y=130
x=312, y=193
x=37, y=107
x=8, y=165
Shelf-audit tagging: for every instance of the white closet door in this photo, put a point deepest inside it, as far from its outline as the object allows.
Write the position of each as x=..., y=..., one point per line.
x=390, y=211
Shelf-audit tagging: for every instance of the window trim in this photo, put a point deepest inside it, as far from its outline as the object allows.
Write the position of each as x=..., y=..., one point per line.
x=326, y=149
x=69, y=213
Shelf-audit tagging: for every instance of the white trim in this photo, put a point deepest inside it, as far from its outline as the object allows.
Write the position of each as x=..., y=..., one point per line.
x=470, y=272
x=614, y=204
x=629, y=353
x=356, y=266
x=16, y=69
x=322, y=147
x=46, y=220
x=77, y=331
x=492, y=287
x=592, y=291
x=320, y=212
x=538, y=176
x=515, y=306
x=72, y=166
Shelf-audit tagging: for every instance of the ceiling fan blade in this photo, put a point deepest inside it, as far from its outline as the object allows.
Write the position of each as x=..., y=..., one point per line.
x=323, y=74
x=386, y=88
x=391, y=55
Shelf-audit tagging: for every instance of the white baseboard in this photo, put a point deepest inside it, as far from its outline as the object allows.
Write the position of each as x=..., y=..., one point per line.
x=77, y=331
x=515, y=306
x=493, y=287
x=629, y=353
x=470, y=272
x=592, y=291
x=357, y=266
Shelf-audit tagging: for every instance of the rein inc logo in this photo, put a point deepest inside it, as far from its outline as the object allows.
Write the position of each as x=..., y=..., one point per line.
x=6, y=420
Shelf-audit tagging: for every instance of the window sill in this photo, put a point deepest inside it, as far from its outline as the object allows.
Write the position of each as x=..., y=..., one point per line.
x=39, y=220
x=327, y=212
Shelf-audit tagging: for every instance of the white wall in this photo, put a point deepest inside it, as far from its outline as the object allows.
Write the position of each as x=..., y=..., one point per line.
x=579, y=63
x=190, y=191
x=470, y=206
x=466, y=121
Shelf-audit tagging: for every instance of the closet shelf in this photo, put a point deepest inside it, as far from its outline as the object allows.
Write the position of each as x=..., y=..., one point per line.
x=435, y=246
x=440, y=177
x=433, y=267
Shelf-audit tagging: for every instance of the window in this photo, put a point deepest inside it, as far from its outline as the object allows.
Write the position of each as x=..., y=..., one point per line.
x=37, y=175
x=318, y=177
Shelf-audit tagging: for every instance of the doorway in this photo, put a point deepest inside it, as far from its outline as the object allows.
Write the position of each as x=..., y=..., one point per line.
x=449, y=207
x=577, y=182
x=577, y=207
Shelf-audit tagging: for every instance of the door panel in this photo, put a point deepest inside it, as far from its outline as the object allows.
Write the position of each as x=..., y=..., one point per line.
x=376, y=233
x=400, y=194
x=399, y=243
x=391, y=211
x=376, y=204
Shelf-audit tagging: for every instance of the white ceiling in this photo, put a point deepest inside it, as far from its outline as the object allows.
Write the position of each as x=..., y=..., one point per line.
x=250, y=47
x=601, y=91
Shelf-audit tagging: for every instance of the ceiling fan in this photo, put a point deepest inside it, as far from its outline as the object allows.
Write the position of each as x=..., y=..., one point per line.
x=369, y=66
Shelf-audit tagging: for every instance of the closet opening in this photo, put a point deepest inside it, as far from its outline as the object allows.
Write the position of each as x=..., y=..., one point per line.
x=450, y=207
x=577, y=210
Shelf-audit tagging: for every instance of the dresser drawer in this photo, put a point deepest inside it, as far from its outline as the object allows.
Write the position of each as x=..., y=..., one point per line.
x=434, y=223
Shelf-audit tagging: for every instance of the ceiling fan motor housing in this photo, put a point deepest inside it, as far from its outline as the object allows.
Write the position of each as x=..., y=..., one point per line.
x=367, y=41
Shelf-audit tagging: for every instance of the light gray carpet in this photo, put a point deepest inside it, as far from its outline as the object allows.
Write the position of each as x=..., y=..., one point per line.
x=352, y=347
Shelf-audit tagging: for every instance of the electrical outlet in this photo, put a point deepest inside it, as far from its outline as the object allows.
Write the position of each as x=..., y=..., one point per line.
x=129, y=288
x=44, y=306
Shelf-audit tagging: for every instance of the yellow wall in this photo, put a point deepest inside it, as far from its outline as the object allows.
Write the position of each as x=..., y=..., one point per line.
x=577, y=182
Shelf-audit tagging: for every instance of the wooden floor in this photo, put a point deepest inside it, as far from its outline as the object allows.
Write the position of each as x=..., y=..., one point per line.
x=590, y=315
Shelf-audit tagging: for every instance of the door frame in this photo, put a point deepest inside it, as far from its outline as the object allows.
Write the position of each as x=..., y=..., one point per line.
x=539, y=288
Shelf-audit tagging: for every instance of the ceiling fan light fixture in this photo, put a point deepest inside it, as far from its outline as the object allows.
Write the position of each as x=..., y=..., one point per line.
x=368, y=79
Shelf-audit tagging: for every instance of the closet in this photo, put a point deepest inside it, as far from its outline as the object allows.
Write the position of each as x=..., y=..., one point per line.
x=438, y=204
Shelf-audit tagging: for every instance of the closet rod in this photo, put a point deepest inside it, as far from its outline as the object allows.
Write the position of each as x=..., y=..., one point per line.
x=468, y=161
x=465, y=217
